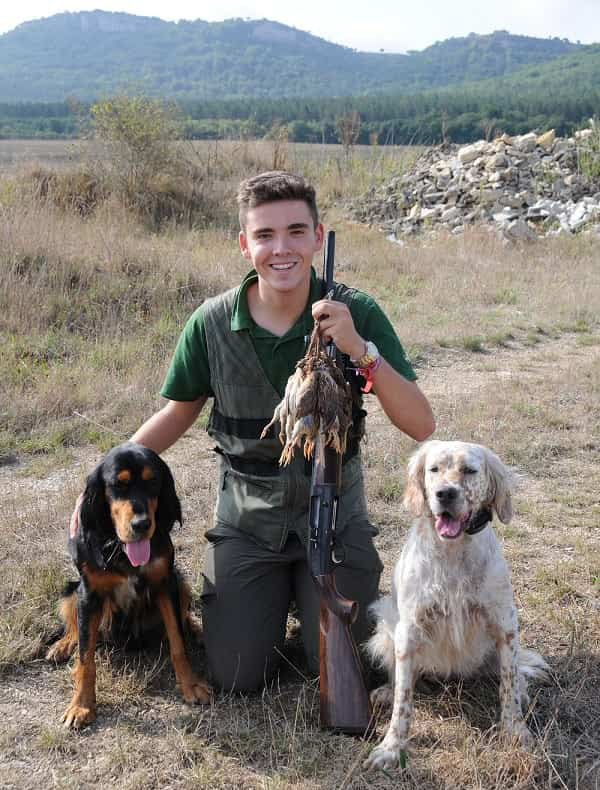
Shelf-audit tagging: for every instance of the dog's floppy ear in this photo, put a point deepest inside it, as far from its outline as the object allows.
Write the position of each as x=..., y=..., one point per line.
x=414, y=493
x=500, y=483
x=95, y=523
x=94, y=507
x=169, y=506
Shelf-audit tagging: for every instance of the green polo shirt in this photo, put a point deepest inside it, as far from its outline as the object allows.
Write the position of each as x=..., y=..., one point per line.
x=188, y=376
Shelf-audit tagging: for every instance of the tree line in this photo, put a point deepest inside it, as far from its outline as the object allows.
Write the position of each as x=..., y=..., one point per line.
x=460, y=115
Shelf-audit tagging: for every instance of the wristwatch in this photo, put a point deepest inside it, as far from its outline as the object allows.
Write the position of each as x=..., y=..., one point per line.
x=370, y=356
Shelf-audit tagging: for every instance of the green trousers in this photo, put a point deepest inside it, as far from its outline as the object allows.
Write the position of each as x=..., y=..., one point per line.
x=249, y=584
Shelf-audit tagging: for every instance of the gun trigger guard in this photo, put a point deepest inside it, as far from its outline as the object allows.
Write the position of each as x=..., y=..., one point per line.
x=337, y=560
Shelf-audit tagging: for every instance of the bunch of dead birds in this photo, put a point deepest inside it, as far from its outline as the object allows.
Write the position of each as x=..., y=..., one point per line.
x=317, y=403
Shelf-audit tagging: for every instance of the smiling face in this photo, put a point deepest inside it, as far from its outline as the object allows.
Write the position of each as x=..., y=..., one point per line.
x=280, y=239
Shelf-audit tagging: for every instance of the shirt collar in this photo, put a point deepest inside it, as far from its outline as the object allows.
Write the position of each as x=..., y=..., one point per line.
x=241, y=318
x=240, y=315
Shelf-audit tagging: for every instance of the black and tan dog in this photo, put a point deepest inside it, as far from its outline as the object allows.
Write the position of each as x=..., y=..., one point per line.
x=128, y=581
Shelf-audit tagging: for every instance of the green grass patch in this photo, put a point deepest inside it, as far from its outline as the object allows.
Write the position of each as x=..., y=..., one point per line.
x=390, y=490
x=51, y=440
x=474, y=344
x=504, y=296
x=582, y=321
x=501, y=339
x=532, y=339
x=56, y=741
x=588, y=340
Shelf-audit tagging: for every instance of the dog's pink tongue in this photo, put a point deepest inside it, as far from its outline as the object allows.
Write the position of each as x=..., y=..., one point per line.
x=447, y=527
x=138, y=552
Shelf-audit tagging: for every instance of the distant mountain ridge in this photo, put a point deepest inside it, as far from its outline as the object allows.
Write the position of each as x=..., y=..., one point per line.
x=91, y=54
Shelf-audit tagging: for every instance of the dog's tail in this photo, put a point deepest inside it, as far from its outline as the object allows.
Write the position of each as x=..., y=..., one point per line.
x=380, y=647
x=532, y=666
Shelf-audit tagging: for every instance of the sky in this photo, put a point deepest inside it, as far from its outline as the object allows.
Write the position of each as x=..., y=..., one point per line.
x=391, y=25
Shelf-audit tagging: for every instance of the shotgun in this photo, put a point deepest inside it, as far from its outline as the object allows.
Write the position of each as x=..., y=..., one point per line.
x=345, y=704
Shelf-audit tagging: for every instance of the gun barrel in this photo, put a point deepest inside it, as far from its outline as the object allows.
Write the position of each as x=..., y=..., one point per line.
x=329, y=259
x=323, y=507
x=324, y=495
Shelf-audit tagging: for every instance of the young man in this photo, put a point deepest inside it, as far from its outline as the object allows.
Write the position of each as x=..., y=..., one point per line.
x=240, y=348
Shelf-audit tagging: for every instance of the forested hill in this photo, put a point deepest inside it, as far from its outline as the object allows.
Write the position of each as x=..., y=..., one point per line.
x=92, y=54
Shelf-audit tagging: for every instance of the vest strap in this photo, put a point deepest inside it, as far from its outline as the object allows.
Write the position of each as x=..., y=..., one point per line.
x=240, y=427
x=249, y=466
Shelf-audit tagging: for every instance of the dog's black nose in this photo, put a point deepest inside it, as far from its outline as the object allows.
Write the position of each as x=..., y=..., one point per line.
x=446, y=495
x=140, y=524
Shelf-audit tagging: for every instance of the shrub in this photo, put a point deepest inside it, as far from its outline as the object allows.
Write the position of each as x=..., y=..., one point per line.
x=137, y=133
x=588, y=153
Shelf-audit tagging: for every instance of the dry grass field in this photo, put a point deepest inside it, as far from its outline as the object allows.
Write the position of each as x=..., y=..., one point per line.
x=506, y=342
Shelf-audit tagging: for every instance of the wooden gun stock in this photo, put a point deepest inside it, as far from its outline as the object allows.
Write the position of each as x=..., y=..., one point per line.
x=345, y=702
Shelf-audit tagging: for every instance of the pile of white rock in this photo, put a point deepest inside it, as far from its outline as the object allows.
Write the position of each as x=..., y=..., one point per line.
x=525, y=187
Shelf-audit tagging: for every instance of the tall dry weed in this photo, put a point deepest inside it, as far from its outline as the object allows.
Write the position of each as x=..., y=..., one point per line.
x=88, y=301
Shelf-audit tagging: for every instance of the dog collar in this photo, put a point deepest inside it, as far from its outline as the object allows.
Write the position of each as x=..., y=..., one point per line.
x=479, y=521
x=109, y=551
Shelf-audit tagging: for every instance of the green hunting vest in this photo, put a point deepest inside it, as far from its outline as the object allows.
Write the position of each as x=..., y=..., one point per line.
x=255, y=494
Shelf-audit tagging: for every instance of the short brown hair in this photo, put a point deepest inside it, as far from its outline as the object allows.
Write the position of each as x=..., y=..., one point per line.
x=272, y=186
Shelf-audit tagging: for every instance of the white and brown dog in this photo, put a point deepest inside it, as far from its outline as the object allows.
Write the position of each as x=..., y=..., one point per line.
x=451, y=610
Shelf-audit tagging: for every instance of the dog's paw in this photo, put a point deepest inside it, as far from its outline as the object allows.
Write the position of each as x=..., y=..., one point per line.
x=194, y=690
x=60, y=651
x=77, y=716
x=383, y=696
x=388, y=755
